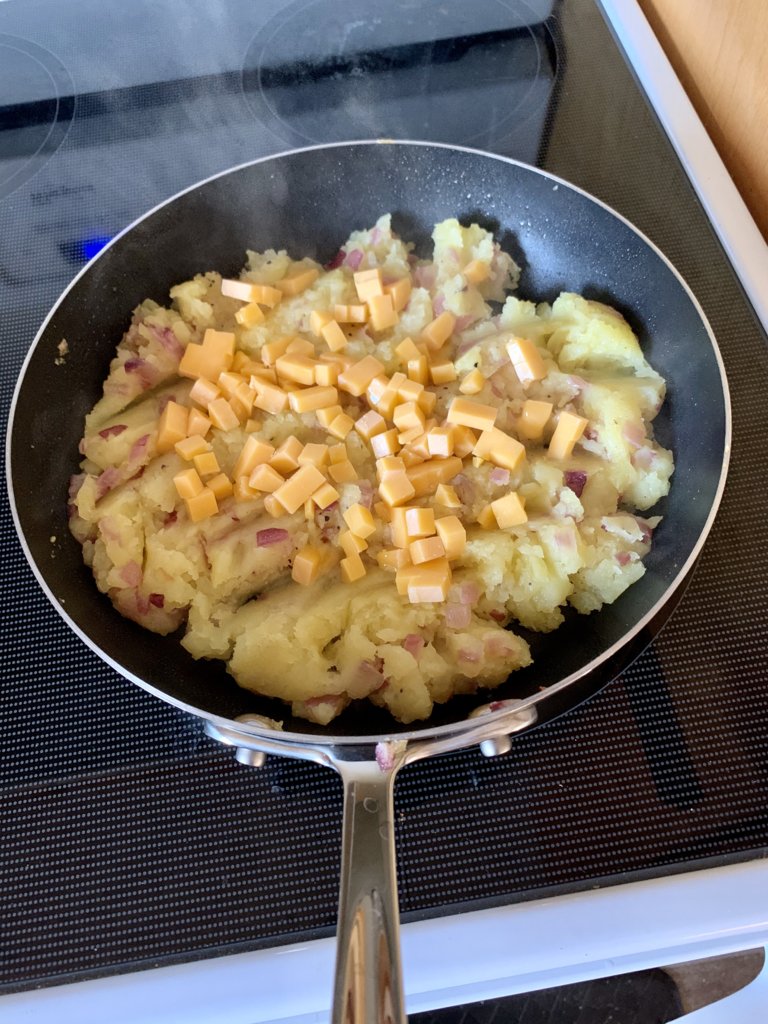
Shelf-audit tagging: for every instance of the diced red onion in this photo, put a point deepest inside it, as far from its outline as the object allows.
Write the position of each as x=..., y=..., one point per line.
x=171, y=518
x=106, y=481
x=623, y=558
x=643, y=458
x=112, y=431
x=75, y=483
x=463, y=322
x=353, y=259
x=413, y=643
x=464, y=593
x=366, y=493
x=565, y=539
x=272, y=535
x=376, y=235
x=633, y=434
x=337, y=260
x=131, y=574
x=576, y=479
x=424, y=276
x=458, y=616
x=499, y=476
x=157, y=600
x=169, y=341
x=438, y=304
x=497, y=614
x=385, y=756
x=497, y=646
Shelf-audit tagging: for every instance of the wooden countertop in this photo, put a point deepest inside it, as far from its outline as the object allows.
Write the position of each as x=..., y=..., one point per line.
x=719, y=49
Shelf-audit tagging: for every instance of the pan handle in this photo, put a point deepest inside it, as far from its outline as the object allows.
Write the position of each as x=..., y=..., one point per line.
x=368, y=987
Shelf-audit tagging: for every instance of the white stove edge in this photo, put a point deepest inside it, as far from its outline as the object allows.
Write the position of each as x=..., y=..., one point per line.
x=448, y=961
x=491, y=953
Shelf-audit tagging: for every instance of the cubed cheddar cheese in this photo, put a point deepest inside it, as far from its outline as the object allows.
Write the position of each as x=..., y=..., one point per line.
x=296, y=367
x=473, y=383
x=409, y=390
x=286, y=458
x=569, y=429
x=351, y=544
x=427, y=401
x=477, y=271
x=273, y=507
x=265, y=478
x=188, y=483
x=442, y=371
x=243, y=490
x=383, y=312
x=326, y=374
x=499, y=448
x=467, y=412
x=409, y=416
x=418, y=369
x=342, y=472
x=436, y=333
x=356, y=378
x=265, y=294
x=464, y=440
x=209, y=359
x=350, y=314
x=306, y=565
x=393, y=558
x=526, y=360
x=222, y=415
x=250, y=315
x=509, y=510
x=338, y=453
x=173, y=426
x=389, y=464
x=318, y=320
x=220, y=485
x=429, y=582
x=254, y=453
x=408, y=349
x=228, y=382
x=440, y=442
x=298, y=281
x=427, y=549
x=341, y=426
x=427, y=475
x=352, y=568
x=486, y=518
x=451, y=532
x=301, y=346
x=359, y=520
x=370, y=424
x=446, y=496
x=400, y=292
x=202, y=505
x=314, y=454
x=368, y=284
x=313, y=398
x=204, y=392
x=326, y=416
x=242, y=402
x=384, y=444
x=240, y=290
x=533, y=418
x=206, y=464
x=325, y=495
x=251, y=425
x=334, y=337
x=419, y=522
x=269, y=397
x=396, y=488
x=298, y=487
x=272, y=350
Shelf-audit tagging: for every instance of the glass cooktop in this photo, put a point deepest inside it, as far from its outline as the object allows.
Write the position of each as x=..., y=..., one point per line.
x=128, y=837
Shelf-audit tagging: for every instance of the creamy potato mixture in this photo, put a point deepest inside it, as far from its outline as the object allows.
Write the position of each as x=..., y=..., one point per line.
x=352, y=482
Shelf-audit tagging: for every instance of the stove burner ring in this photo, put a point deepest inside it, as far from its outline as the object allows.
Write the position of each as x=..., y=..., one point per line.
x=479, y=74
x=38, y=104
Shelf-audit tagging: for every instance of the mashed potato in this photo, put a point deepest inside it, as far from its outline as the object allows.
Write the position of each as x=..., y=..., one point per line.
x=230, y=578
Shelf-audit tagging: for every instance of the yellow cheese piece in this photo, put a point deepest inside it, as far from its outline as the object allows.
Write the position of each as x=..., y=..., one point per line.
x=383, y=511
x=396, y=488
x=242, y=363
x=533, y=419
x=204, y=392
x=350, y=544
x=356, y=378
x=464, y=440
x=419, y=522
x=427, y=401
x=526, y=360
x=325, y=496
x=499, y=448
x=243, y=490
x=427, y=549
x=254, y=452
x=188, y=483
x=383, y=313
x=222, y=415
x=297, y=367
x=384, y=444
x=265, y=294
x=486, y=518
x=440, y=441
x=242, y=402
x=446, y=495
x=389, y=464
x=350, y=314
x=301, y=346
x=567, y=432
x=202, y=505
x=269, y=397
x=378, y=387
x=209, y=359
x=198, y=424
x=240, y=290
x=451, y=532
x=207, y=464
x=294, y=284
x=265, y=478
x=418, y=369
x=312, y=399
x=408, y=390
x=352, y=569
x=306, y=565
x=442, y=371
x=318, y=320
x=400, y=292
x=436, y=333
x=272, y=350
x=334, y=337
x=342, y=472
x=398, y=529
x=298, y=487
x=326, y=374
x=509, y=510
x=469, y=413
x=314, y=454
x=359, y=520
x=427, y=475
x=477, y=271
x=429, y=582
x=410, y=435
x=286, y=457
x=173, y=426
x=393, y=558
x=340, y=426
x=252, y=425
x=220, y=485
x=250, y=315
x=338, y=453
x=368, y=284
x=408, y=349
x=325, y=417
x=273, y=507
x=370, y=424
x=408, y=416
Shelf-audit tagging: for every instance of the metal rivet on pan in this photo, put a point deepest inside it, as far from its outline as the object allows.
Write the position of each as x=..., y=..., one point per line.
x=249, y=757
x=497, y=745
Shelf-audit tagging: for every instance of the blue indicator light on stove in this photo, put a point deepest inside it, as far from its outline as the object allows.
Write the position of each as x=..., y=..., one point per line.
x=90, y=246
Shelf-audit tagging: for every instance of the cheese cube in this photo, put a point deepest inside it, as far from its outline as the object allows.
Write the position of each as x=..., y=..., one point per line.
x=250, y=315
x=286, y=458
x=436, y=333
x=533, y=419
x=273, y=507
x=486, y=518
x=409, y=390
x=301, y=346
x=442, y=371
x=389, y=464
x=410, y=435
x=240, y=290
x=419, y=522
x=202, y=505
x=254, y=453
x=440, y=441
x=430, y=582
x=207, y=464
x=265, y=294
x=383, y=313
x=350, y=314
x=342, y=472
x=418, y=369
x=269, y=397
x=368, y=284
x=243, y=490
x=298, y=281
x=318, y=320
x=272, y=350
x=252, y=425
x=393, y=558
x=398, y=529
x=298, y=487
x=500, y=449
x=427, y=401
x=410, y=457
x=297, y=367
x=338, y=453
x=404, y=574
x=384, y=444
x=359, y=520
x=476, y=271
x=222, y=415
x=326, y=374
x=396, y=488
x=352, y=569
x=371, y=424
x=464, y=441
x=509, y=510
x=209, y=359
x=567, y=432
x=242, y=402
x=325, y=496
x=387, y=403
x=526, y=360
x=341, y=426
x=408, y=349
x=426, y=550
x=400, y=292
x=265, y=478
x=427, y=475
x=469, y=413
x=333, y=336
x=312, y=399
x=356, y=378
x=204, y=392
x=188, y=483
x=446, y=495
x=378, y=387
x=173, y=426
x=314, y=455
x=350, y=544
x=306, y=565
x=408, y=416
x=451, y=532
x=220, y=485
x=383, y=511
x=326, y=416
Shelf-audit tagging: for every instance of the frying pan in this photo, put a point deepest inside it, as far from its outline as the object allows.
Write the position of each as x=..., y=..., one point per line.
x=308, y=201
